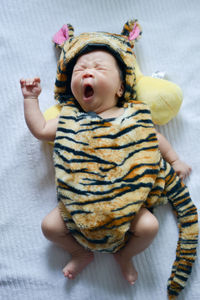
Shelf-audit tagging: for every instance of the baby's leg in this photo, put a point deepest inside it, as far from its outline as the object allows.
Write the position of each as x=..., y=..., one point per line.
x=56, y=231
x=143, y=229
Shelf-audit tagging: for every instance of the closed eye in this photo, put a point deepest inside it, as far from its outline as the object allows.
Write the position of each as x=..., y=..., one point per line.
x=78, y=69
x=96, y=66
x=100, y=67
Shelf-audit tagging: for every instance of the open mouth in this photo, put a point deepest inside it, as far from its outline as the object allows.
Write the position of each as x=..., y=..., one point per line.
x=88, y=91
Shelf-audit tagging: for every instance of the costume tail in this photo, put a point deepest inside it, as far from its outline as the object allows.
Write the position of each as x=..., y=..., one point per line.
x=187, y=216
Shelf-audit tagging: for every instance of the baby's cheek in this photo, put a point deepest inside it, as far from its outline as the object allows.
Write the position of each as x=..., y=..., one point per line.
x=74, y=86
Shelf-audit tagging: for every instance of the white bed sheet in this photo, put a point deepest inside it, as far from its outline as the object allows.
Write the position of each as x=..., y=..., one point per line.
x=30, y=266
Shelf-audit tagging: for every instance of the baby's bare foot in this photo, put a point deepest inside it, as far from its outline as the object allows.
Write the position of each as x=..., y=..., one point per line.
x=77, y=263
x=127, y=268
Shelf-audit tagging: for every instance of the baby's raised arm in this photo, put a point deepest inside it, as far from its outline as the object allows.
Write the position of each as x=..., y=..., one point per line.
x=39, y=127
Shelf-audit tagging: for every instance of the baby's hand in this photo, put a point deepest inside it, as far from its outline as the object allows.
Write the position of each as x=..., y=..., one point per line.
x=30, y=88
x=181, y=168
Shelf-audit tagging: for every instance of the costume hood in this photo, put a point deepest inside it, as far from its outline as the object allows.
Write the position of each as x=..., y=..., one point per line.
x=119, y=45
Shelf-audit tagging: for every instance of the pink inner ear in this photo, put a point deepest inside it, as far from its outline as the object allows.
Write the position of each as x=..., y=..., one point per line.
x=134, y=33
x=61, y=36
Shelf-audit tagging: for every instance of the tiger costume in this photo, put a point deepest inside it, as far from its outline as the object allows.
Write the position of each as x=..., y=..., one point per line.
x=107, y=169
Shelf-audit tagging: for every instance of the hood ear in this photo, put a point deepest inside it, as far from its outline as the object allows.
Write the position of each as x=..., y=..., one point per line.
x=65, y=33
x=132, y=30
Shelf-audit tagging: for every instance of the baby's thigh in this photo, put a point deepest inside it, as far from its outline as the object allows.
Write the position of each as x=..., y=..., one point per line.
x=144, y=223
x=53, y=223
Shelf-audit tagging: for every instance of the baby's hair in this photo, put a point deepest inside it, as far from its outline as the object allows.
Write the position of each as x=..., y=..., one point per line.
x=121, y=71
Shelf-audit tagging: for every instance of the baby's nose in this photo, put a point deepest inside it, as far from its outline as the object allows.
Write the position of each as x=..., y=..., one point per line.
x=88, y=73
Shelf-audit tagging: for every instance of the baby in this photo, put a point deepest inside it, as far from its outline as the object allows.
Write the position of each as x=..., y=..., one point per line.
x=97, y=85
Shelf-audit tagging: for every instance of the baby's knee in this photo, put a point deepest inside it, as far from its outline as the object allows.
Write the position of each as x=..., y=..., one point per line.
x=53, y=225
x=48, y=228
x=150, y=225
x=146, y=225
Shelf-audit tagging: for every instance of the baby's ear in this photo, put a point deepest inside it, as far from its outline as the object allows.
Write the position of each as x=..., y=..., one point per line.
x=65, y=33
x=132, y=30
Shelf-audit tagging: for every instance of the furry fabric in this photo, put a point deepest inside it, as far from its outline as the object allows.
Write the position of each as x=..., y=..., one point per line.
x=105, y=170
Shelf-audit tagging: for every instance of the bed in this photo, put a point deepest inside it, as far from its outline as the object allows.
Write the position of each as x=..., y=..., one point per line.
x=30, y=265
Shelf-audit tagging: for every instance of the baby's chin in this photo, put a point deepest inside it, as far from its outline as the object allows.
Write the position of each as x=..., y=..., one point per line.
x=88, y=104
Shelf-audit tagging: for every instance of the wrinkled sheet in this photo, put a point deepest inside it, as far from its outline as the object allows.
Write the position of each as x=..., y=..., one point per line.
x=30, y=265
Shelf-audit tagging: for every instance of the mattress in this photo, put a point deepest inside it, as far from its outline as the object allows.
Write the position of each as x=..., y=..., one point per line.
x=30, y=265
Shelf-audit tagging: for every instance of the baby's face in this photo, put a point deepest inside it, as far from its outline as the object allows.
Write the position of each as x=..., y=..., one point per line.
x=96, y=83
